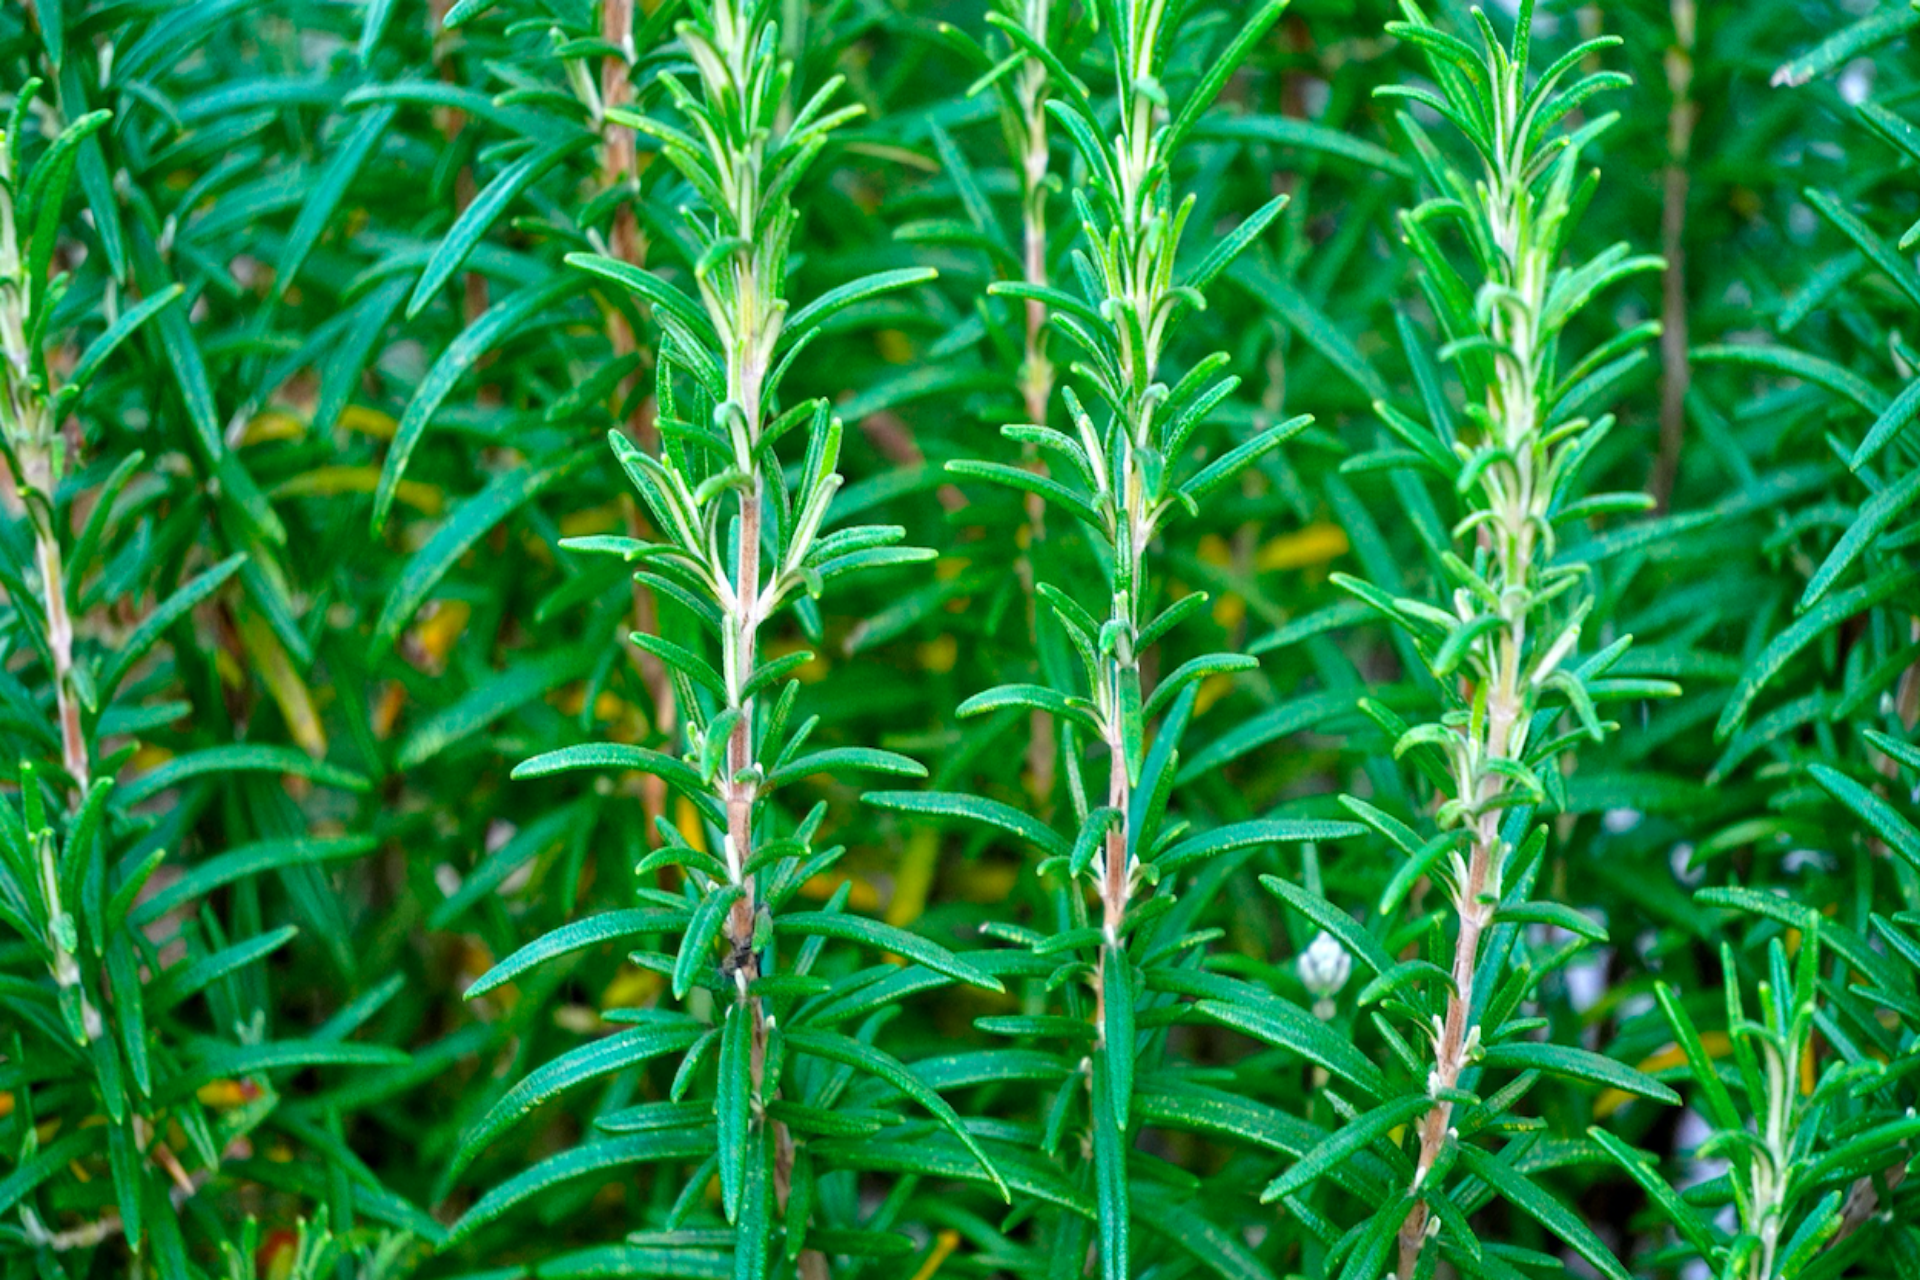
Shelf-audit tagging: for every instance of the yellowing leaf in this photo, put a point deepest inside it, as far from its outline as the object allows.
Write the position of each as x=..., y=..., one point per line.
x=938, y=655
x=605, y=518
x=475, y=959
x=440, y=626
x=914, y=877
x=986, y=882
x=148, y=757
x=1714, y=1042
x=580, y=1019
x=1213, y=688
x=632, y=987
x=224, y=1095
x=893, y=345
x=864, y=897
x=687, y=819
x=943, y=1246
x=272, y=424
x=325, y=481
x=387, y=709
x=282, y=1252
x=283, y=682
x=1315, y=544
x=368, y=422
x=808, y=672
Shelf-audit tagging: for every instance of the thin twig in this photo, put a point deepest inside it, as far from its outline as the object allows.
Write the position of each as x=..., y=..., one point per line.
x=1676, y=366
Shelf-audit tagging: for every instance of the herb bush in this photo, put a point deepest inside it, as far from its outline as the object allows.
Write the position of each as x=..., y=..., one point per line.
x=907, y=638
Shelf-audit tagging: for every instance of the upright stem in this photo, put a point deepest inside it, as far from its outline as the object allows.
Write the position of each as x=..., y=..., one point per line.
x=38, y=467
x=450, y=121
x=1137, y=157
x=1036, y=371
x=1676, y=370
x=1454, y=1047
x=619, y=157
x=748, y=315
x=1770, y=1171
x=1117, y=883
x=617, y=150
x=33, y=434
x=625, y=242
x=739, y=797
x=1036, y=374
x=30, y=430
x=1115, y=888
x=739, y=794
x=1511, y=488
x=745, y=381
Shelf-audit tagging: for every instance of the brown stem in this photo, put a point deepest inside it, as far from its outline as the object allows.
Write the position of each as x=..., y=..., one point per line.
x=1863, y=1200
x=1676, y=369
x=616, y=84
x=1906, y=698
x=1036, y=381
x=1117, y=883
x=37, y=466
x=1036, y=375
x=450, y=121
x=1450, y=1054
x=1113, y=894
x=739, y=793
x=92, y=1234
x=1514, y=409
x=34, y=436
x=618, y=159
x=751, y=332
x=1473, y=905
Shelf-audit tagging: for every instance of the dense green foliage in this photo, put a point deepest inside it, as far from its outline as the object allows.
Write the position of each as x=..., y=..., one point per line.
x=909, y=638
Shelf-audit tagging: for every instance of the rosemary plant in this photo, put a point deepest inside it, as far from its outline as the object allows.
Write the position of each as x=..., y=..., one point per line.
x=566, y=156
x=1015, y=68
x=314, y=318
x=1503, y=644
x=138, y=1052
x=33, y=405
x=1037, y=33
x=1126, y=485
x=739, y=540
x=1816, y=1122
x=1811, y=1155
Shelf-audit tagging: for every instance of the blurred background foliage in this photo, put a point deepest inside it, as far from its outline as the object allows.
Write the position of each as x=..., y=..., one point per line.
x=312, y=505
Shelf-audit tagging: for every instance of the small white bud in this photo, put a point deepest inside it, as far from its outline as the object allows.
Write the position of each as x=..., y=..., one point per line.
x=1620, y=821
x=1325, y=966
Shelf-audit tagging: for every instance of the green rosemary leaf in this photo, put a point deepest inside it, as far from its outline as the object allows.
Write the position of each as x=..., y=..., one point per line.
x=577, y=936
x=1519, y=1191
x=888, y=938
